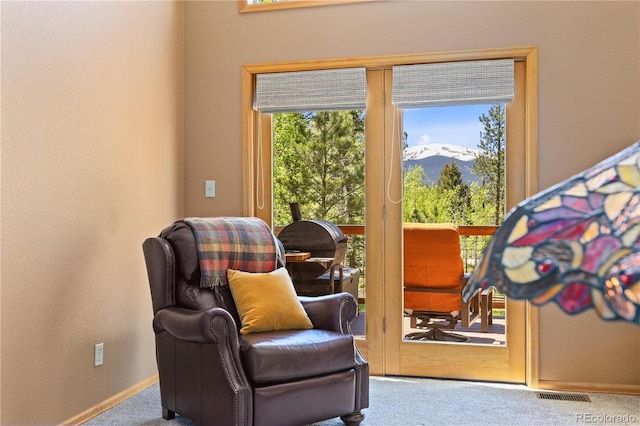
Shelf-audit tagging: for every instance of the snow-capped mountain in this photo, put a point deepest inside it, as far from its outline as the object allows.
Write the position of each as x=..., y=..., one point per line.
x=434, y=156
x=453, y=151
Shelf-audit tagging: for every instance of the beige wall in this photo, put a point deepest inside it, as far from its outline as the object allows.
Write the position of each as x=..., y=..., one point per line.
x=589, y=108
x=92, y=158
x=92, y=164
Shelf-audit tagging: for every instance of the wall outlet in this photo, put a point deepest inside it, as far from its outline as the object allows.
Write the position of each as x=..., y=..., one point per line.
x=98, y=355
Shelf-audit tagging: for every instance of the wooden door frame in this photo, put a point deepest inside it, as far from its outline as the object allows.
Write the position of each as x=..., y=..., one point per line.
x=505, y=363
x=375, y=223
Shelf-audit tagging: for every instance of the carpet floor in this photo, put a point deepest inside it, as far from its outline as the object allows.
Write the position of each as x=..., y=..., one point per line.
x=407, y=401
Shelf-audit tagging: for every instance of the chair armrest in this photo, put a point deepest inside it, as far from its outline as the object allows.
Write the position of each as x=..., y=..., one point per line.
x=333, y=312
x=205, y=326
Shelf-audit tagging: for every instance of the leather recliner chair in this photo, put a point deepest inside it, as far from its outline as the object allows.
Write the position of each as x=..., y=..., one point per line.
x=213, y=375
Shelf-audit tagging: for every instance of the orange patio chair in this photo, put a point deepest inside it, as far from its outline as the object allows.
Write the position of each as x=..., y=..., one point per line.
x=433, y=281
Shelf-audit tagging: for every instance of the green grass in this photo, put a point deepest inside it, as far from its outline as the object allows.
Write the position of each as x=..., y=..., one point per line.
x=499, y=312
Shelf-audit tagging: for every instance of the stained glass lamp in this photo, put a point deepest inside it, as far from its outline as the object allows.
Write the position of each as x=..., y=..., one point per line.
x=576, y=244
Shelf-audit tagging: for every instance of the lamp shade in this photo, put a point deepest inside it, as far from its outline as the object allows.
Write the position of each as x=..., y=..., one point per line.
x=576, y=244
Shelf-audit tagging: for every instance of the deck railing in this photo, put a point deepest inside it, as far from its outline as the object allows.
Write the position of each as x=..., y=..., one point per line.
x=473, y=240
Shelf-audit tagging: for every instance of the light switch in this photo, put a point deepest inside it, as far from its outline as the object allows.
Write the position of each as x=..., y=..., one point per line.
x=209, y=188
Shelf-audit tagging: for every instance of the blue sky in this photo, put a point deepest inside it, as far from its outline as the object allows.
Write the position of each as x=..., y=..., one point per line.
x=456, y=125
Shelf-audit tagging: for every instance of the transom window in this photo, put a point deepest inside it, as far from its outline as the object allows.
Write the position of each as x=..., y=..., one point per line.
x=267, y=5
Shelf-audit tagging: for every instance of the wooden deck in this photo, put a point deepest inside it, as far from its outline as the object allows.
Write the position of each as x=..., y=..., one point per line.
x=495, y=336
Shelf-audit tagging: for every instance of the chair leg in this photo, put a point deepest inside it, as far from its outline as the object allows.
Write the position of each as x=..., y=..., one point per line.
x=475, y=304
x=465, y=315
x=436, y=334
x=435, y=331
x=486, y=309
x=168, y=414
x=353, y=419
x=413, y=322
x=469, y=311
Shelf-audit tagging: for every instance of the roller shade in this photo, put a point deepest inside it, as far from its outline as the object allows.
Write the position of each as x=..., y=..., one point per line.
x=321, y=90
x=453, y=83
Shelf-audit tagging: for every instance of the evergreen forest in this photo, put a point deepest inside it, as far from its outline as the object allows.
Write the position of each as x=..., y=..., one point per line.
x=319, y=163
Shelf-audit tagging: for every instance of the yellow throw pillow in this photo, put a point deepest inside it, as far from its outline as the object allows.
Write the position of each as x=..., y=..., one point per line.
x=267, y=301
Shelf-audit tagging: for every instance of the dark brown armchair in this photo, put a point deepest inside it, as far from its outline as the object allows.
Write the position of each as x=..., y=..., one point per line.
x=213, y=375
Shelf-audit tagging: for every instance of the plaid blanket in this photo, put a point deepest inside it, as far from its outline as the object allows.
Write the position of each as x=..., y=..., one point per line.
x=242, y=243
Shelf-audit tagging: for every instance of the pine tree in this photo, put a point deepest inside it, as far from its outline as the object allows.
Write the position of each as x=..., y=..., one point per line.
x=490, y=163
x=319, y=163
x=290, y=131
x=451, y=180
x=450, y=176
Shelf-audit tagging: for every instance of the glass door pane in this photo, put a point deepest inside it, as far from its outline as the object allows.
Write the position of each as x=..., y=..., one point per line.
x=319, y=201
x=454, y=187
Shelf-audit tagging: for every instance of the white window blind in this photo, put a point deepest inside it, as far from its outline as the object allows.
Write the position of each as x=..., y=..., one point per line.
x=321, y=90
x=453, y=83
